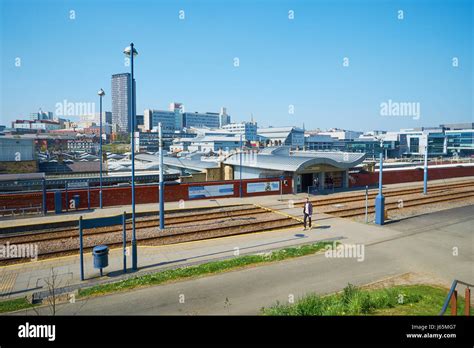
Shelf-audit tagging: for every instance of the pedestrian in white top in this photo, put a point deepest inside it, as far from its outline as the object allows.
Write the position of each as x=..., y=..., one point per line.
x=307, y=212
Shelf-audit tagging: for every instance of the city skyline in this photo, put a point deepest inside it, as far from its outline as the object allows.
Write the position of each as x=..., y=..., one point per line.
x=284, y=64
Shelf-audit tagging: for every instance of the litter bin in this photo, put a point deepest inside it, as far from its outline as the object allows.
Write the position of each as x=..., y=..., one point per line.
x=101, y=257
x=58, y=202
x=77, y=200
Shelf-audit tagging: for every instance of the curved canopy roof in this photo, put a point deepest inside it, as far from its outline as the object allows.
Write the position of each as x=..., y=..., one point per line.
x=280, y=159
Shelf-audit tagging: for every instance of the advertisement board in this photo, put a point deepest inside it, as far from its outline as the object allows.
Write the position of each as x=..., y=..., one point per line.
x=210, y=191
x=253, y=187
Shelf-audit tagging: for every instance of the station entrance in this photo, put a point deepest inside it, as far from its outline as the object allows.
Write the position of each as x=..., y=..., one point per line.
x=321, y=181
x=306, y=181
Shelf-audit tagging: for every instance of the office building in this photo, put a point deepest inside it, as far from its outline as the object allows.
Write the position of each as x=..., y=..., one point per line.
x=175, y=119
x=121, y=101
x=197, y=119
x=41, y=115
x=95, y=118
x=247, y=129
x=278, y=136
x=37, y=125
x=460, y=142
x=168, y=119
x=224, y=119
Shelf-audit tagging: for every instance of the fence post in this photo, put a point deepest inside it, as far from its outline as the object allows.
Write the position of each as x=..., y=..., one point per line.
x=67, y=201
x=88, y=195
x=81, y=248
x=45, y=208
x=467, y=306
x=454, y=303
x=124, y=223
x=366, y=204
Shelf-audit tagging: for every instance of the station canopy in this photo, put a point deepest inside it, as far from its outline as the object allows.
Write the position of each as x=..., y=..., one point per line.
x=282, y=159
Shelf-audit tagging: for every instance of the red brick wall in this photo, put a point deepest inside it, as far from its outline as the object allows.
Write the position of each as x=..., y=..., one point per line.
x=114, y=196
x=400, y=176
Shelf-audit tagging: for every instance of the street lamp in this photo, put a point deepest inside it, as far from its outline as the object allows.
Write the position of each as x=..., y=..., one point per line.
x=131, y=52
x=162, y=184
x=240, y=167
x=101, y=93
x=380, y=199
x=425, y=167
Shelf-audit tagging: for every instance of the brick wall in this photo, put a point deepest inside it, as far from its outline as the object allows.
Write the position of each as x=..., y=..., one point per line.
x=115, y=196
x=412, y=175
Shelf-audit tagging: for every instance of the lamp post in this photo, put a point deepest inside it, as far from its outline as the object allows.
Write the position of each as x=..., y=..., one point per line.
x=380, y=199
x=131, y=52
x=162, y=184
x=240, y=185
x=425, y=169
x=101, y=93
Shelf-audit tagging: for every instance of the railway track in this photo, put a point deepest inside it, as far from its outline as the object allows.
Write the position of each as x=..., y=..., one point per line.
x=186, y=226
x=64, y=233
x=170, y=237
x=410, y=202
x=387, y=193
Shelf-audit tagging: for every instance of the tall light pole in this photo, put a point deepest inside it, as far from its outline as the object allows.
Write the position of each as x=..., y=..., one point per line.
x=425, y=169
x=380, y=199
x=131, y=52
x=162, y=184
x=240, y=185
x=101, y=93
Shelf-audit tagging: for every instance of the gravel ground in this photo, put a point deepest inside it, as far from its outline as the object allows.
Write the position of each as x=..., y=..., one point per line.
x=406, y=212
x=392, y=199
x=187, y=231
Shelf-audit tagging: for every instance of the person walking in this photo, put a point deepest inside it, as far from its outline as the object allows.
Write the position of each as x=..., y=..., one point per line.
x=307, y=212
x=316, y=184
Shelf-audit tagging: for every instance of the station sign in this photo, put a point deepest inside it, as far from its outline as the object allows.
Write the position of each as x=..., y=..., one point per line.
x=253, y=187
x=79, y=184
x=207, y=191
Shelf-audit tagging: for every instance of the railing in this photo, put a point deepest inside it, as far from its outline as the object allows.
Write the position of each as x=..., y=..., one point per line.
x=4, y=211
x=453, y=299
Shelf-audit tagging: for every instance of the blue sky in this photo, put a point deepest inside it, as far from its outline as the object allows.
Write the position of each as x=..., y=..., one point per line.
x=282, y=61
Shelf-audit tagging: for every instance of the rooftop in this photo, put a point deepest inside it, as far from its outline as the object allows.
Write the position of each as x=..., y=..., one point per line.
x=282, y=159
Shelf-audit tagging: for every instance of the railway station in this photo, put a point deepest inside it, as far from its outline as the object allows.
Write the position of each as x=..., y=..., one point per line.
x=324, y=169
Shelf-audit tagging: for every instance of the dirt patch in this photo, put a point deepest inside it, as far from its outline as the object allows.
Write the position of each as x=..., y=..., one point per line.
x=410, y=278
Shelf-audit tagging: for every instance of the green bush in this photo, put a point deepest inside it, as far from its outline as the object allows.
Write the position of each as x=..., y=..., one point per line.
x=351, y=301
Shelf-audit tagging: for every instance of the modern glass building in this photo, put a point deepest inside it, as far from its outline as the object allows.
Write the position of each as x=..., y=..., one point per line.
x=151, y=119
x=412, y=143
x=460, y=142
x=175, y=119
x=121, y=101
x=199, y=120
x=372, y=148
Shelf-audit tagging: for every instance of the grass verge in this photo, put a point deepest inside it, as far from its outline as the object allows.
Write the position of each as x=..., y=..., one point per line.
x=396, y=300
x=14, y=305
x=203, y=269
